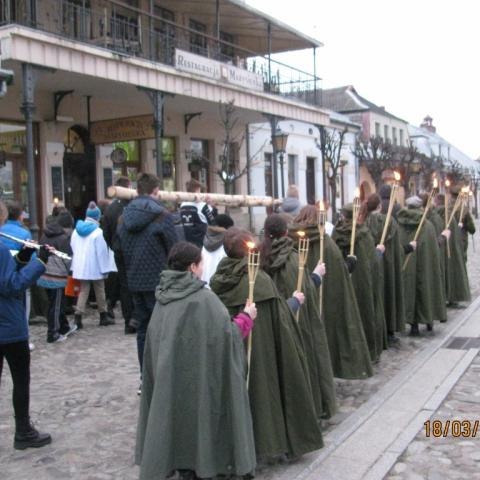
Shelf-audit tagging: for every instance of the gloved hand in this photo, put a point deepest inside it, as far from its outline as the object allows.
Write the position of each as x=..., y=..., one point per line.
x=25, y=254
x=351, y=262
x=44, y=252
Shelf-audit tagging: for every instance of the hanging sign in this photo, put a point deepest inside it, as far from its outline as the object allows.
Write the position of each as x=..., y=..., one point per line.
x=122, y=129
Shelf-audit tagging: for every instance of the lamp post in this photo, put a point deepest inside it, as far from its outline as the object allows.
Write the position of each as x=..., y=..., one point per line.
x=279, y=143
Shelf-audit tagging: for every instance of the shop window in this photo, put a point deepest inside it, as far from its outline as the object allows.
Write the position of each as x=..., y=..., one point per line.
x=199, y=164
x=168, y=160
x=125, y=157
x=268, y=159
x=292, y=169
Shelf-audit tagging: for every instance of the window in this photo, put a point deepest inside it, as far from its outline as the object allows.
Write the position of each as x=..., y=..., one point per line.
x=165, y=36
x=198, y=42
x=127, y=163
x=268, y=157
x=401, y=137
x=227, y=52
x=199, y=161
x=377, y=130
x=394, y=135
x=385, y=133
x=292, y=170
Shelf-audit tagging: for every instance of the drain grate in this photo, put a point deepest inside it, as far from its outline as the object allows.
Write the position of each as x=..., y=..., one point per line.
x=463, y=343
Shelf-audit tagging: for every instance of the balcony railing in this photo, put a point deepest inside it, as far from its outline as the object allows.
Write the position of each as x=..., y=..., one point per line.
x=130, y=31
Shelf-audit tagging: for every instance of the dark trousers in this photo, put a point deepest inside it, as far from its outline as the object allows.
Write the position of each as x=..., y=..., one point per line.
x=56, y=319
x=143, y=304
x=117, y=290
x=18, y=358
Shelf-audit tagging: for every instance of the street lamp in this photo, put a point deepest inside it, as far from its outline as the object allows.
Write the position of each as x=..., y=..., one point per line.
x=279, y=143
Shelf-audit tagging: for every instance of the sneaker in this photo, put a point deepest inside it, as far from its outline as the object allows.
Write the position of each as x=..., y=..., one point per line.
x=56, y=338
x=31, y=346
x=73, y=329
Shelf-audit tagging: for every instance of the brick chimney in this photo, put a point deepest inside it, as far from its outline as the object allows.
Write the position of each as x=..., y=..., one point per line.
x=427, y=124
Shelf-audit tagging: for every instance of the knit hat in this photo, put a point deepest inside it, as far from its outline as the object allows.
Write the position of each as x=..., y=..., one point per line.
x=385, y=191
x=93, y=211
x=414, y=202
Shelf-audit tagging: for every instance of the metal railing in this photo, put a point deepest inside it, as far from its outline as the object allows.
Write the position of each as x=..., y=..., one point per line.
x=129, y=31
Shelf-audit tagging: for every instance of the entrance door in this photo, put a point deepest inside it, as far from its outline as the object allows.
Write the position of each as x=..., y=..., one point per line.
x=79, y=181
x=310, y=173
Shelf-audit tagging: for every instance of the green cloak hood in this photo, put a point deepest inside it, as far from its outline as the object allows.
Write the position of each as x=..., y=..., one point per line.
x=194, y=408
x=284, y=272
x=346, y=338
x=424, y=289
x=281, y=398
x=366, y=282
x=390, y=270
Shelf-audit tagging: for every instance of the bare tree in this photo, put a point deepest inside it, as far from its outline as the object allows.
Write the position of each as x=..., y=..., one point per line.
x=376, y=155
x=331, y=144
x=474, y=185
x=456, y=172
x=229, y=170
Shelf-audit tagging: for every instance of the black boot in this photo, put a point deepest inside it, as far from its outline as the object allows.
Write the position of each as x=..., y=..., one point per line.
x=78, y=321
x=28, y=437
x=104, y=320
x=414, y=331
x=430, y=327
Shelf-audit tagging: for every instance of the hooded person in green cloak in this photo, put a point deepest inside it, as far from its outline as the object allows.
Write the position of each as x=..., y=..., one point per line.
x=455, y=271
x=194, y=409
x=283, y=410
x=346, y=338
x=393, y=296
x=365, y=279
x=280, y=260
x=466, y=223
x=424, y=291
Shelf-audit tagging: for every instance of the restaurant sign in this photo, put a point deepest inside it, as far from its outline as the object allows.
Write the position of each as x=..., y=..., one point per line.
x=206, y=67
x=122, y=129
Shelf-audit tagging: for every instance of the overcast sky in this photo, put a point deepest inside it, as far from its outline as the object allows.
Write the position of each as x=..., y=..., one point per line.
x=415, y=57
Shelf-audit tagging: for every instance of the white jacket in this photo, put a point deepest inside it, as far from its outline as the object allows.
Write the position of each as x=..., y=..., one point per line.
x=92, y=259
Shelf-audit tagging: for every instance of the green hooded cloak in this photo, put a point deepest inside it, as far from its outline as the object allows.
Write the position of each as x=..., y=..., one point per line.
x=194, y=410
x=456, y=278
x=281, y=399
x=367, y=284
x=346, y=339
x=439, y=225
x=393, y=295
x=424, y=290
x=284, y=272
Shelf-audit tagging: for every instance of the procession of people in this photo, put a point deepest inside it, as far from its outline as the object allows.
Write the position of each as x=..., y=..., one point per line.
x=239, y=338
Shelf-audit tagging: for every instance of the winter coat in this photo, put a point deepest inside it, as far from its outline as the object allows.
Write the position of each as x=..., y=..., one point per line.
x=109, y=220
x=194, y=409
x=212, y=251
x=291, y=205
x=57, y=268
x=146, y=234
x=15, y=229
x=15, y=278
x=195, y=218
x=92, y=259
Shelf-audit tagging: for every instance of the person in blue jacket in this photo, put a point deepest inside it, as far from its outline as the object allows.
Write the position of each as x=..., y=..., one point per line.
x=16, y=275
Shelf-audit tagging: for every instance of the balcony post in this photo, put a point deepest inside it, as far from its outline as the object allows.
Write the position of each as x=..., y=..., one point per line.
x=315, y=98
x=269, y=41
x=217, y=27
x=28, y=109
x=273, y=119
x=157, y=98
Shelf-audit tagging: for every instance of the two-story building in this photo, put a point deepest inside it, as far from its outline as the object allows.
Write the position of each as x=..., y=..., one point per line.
x=108, y=87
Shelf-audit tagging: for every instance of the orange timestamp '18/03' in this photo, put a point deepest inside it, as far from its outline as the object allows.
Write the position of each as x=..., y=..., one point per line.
x=454, y=428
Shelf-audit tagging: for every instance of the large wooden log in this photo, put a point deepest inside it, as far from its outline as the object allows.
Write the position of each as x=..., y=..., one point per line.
x=215, y=198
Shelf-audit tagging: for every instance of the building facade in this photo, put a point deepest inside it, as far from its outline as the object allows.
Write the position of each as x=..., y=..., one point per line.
x=103, y=88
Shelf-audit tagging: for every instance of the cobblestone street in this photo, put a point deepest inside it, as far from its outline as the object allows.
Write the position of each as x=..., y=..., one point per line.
x=84, y=393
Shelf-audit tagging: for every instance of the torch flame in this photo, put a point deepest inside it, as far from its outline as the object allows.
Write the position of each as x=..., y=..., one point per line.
x=470, y=193
x=250, y=245
x=322, y=206
x=447, y=182
x=357, y=193
x=466, y=190
x=301, y=234
x=435, y=183
x=55, y=200
x=397, y=176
